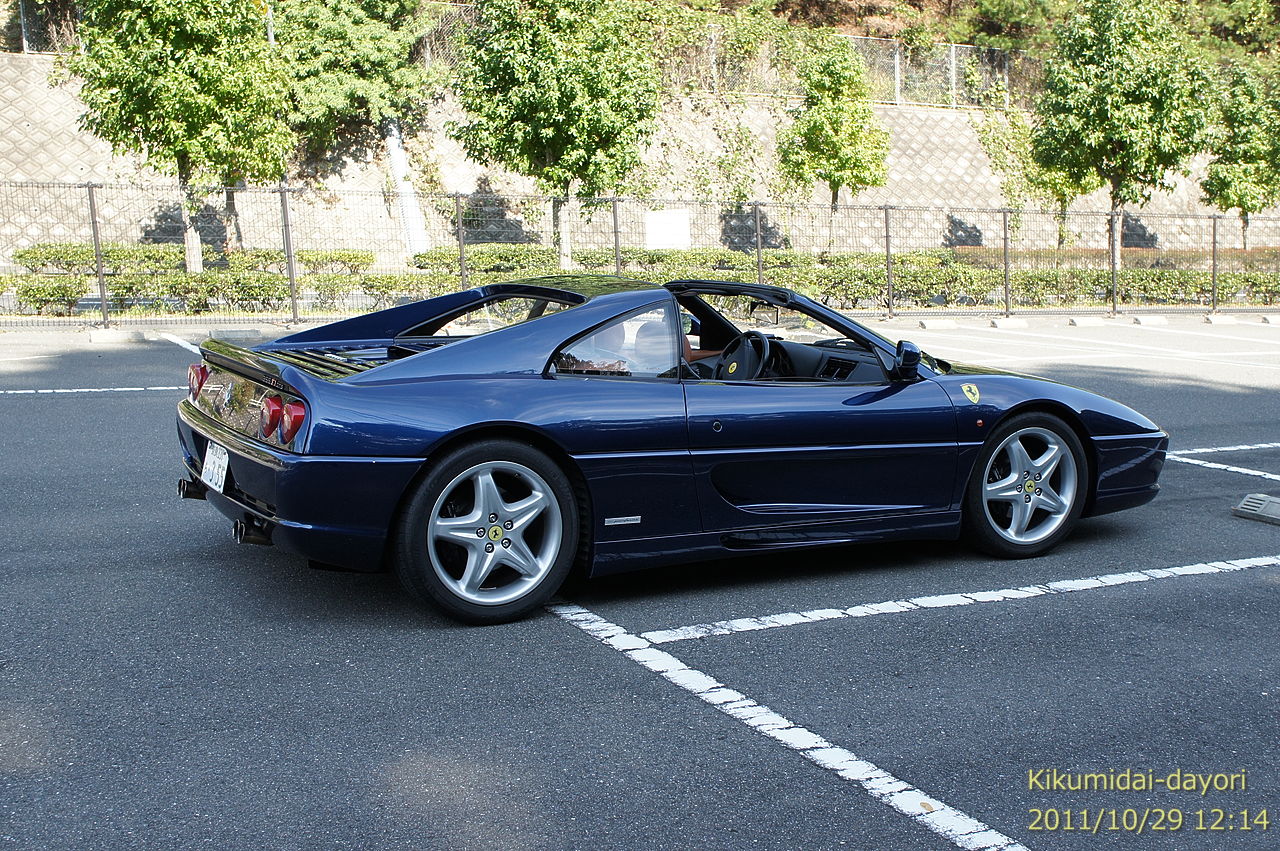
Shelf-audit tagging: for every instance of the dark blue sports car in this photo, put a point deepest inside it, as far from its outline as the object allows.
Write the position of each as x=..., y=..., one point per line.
x=484, y=442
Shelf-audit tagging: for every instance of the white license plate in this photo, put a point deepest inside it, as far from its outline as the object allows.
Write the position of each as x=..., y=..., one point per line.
x=214, y=472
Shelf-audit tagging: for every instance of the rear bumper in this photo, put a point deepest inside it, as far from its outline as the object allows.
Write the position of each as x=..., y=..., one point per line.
x=336, y=510
x=1128, y=471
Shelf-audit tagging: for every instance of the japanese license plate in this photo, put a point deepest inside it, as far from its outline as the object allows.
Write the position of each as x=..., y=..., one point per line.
x=214, y=472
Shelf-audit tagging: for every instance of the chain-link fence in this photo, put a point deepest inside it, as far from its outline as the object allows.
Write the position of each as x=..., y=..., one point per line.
x=939, y=74
x=117, y=254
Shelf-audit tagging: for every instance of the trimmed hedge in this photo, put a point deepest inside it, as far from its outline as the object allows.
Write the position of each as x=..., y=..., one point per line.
x=149, y=277
x=77, y=258
x=55, y=295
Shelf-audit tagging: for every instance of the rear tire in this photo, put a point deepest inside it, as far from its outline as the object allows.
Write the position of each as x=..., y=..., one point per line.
x=1027, y=487
x=490, y=533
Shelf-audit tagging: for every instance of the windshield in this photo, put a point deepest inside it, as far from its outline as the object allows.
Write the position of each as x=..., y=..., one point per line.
x=751, y=314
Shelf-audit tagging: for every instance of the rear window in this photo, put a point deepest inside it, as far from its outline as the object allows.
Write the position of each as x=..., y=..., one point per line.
x=497, y=313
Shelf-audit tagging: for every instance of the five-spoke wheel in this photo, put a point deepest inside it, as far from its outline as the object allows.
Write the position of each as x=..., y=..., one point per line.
x=491, y=532
x=1027, y=488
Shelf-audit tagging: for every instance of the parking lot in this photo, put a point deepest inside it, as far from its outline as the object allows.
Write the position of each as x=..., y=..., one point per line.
x=162, y=687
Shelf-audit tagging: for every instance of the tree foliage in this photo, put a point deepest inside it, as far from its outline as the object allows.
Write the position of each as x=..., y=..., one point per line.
x=353, y=64
x=1006, y=136
x=836, y=138
x=191, y=85
x=1244, y=174
x=1124, y=99
x=564, y=91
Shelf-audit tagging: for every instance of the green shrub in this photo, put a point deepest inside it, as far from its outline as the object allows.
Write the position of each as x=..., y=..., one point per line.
x=254, y=291
x=117, y=257
x=135, y=287
x=68, y=257
x=352, y=261
x=443, y=259
x=386, y=289
x=195, y=293
x=256, y=260
x=515, y=259
x=55, y=294
x=330, y=288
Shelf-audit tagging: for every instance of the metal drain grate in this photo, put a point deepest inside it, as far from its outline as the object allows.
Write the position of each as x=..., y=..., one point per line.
x=1259, y=506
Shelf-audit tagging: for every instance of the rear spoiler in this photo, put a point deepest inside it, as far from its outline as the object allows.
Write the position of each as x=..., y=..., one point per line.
x=394, y=322
x=246, y=362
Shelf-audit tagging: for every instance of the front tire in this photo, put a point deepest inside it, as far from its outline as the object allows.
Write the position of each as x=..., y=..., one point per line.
x=1027, y=488
x=490, y=534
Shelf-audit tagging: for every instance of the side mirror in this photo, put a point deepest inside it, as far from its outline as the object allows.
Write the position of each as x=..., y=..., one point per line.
x=906, y=361
x=690, y=324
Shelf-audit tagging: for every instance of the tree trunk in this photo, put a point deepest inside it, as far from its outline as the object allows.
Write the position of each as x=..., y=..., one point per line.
x=1115, y=229
x=231, y=220
x=194, y=260
x=560, y=233
x=831, y=219
x=1244, y=234
x=1061, y=218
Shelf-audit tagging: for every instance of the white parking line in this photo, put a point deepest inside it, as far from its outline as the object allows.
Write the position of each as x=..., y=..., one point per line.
x=942, y=601
x=1244, y=471
x=87, y=390
x=27, y=357
x=926, y=811
x=191, y=347
x=1243, y=447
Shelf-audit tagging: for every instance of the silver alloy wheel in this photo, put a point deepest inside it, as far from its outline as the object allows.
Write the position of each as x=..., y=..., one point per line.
x=1029, y=485
x=494, y=532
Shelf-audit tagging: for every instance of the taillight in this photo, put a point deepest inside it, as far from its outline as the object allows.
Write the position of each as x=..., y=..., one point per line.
x=197, y=375
x=291, y=420
x=270, y=414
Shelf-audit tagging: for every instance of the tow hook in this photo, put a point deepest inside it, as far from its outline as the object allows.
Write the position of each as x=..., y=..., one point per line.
x=250, y=532
x=188, y=489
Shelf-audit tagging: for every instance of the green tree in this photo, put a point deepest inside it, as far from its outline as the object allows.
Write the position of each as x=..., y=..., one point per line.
x=1125, y=99
x=564, y=91
x=1244, y=174
x=1006, y=136
x=835, y=138
x=191, y=85
x=1010, y=24
x=353, y=66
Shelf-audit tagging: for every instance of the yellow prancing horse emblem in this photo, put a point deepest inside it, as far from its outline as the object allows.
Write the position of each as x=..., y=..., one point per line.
x=971, y=390
x=733, y=367
x=495, y=532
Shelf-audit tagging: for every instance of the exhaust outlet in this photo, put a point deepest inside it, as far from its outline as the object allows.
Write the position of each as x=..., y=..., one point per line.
x=248, y=532
x=187, y=489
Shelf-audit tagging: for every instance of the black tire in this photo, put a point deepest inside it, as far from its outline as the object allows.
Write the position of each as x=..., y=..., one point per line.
x=431, y=558
x=989, y=520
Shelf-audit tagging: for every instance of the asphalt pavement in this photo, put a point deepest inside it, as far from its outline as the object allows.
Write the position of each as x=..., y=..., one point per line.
x=162, y=687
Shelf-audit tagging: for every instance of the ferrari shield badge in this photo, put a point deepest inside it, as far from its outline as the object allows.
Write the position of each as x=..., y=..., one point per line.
x=971, y=390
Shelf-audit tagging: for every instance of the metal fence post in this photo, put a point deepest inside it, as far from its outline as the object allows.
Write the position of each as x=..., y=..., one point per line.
x=888, y=262
x=1113, y=256
x=290, y=261
x=1004, y=224
x=1213, y=268
x=97, y=252
x=897, y=72
x=462, y=239
x=954, y=99
x=617, y=240
x=759, y=245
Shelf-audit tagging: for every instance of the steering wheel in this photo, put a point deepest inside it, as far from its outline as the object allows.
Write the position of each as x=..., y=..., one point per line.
x=744, y=358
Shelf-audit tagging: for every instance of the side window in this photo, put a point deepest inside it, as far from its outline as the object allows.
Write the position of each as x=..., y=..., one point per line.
x=642, y=345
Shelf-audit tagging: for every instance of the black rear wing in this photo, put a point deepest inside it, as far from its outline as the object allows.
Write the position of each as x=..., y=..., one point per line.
x=246, y=362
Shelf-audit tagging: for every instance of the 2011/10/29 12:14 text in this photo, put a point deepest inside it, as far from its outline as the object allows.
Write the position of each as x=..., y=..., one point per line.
x=1155, y=819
